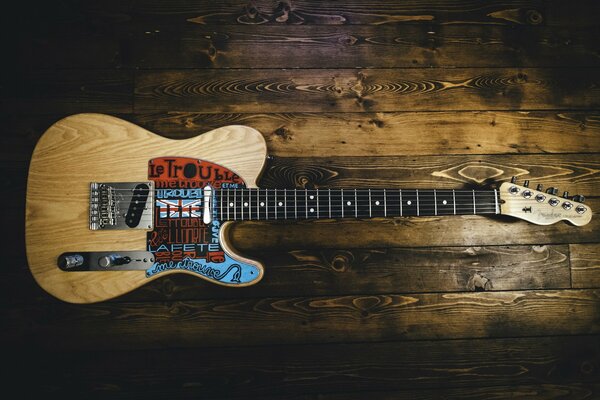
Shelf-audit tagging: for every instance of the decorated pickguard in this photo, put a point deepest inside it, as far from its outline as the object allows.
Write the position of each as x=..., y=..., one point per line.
x=180, y=240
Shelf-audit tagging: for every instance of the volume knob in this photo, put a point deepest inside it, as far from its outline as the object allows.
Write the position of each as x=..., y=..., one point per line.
x=111, y=260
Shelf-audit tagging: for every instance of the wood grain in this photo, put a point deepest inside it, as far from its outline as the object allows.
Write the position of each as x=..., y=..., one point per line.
x=522, y=12
x=585, y=265
x=524, y=368
x=572, y=172
x=353, y=318
x=360, y=134
x=155, y=45
x=71, y=154
x=343, y=90
x=398, y=133
x=380, y=271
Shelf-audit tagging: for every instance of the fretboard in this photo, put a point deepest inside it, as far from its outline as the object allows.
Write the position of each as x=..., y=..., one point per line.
x=281, y=204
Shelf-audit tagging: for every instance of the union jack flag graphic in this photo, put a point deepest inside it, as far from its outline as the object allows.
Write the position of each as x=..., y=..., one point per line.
x=179, y=208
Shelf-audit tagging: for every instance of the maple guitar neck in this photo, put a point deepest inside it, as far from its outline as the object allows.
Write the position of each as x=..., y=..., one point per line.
x=291, y=204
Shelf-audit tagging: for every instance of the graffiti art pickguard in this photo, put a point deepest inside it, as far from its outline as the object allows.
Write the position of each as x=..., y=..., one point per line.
x=180, y=240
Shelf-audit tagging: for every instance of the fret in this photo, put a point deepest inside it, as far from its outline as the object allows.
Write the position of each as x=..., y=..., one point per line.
x=241, y=202
x=435, y=202
x=418, y=208
x=329, y=203
x=258, y=204
x=306, y=203
x=317, y=194
x=384, y=203
x=275, y=205
x=474, y=202
x=285, y=203
x=496, y=209
x=342, y=194
x=296, y=203
x=221, y=205
x=400, y=194
x=355, y=205
x=370, y=205
x=227, y=202
x=454, y=201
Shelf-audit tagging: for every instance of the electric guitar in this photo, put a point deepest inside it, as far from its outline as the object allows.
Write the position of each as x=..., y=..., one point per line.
x=111, y=206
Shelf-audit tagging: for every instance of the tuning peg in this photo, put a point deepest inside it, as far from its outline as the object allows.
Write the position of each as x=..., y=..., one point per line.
x=552, y=190
x=540, y=187
x=579, y=198
x=513, y=179
x=526, y=183
x=565, y=195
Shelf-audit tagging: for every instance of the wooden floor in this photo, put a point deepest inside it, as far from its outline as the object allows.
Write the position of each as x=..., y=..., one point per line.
x=367, y=93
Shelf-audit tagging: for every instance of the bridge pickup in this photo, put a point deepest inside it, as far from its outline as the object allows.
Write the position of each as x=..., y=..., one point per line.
x=105, y=261
x=121, y=205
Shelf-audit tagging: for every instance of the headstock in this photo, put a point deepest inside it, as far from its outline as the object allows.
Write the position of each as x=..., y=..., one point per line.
x=542, y=208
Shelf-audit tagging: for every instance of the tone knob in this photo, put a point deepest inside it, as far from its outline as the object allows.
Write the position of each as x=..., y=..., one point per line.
x=111, y=260
x=71, y=261
x=579, y=198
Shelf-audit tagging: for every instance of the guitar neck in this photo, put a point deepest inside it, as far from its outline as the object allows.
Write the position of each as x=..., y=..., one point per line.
x=284, y=204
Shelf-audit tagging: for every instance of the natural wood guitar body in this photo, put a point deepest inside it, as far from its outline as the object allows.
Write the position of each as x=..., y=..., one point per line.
x=85, y=148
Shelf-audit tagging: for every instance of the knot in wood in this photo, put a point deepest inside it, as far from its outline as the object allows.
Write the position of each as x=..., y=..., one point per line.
x=348, y=40
x=534, y=17
x=341, y=262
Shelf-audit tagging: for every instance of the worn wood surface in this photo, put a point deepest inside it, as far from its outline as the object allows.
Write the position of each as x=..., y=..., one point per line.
x=430, y=93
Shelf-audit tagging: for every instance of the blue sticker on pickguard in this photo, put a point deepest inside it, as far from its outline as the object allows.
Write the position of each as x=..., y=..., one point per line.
x=180, y=240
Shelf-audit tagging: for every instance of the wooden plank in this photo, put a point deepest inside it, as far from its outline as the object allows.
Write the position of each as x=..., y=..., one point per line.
x=399, y=133
x=351, y=271
x=379, y=271
x=354, y=90
x=269, y=321
x=69, y=91
x=409, y=232
x=373, y=12
x=572, y=172
x=360, y=134
x=524, y=368
x=585, y=265
x=156, y=45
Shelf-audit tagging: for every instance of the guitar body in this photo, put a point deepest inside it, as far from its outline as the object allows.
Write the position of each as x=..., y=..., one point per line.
x=88, y=148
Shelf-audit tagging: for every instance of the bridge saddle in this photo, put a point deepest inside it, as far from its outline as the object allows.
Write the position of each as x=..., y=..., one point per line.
x=121, y=205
